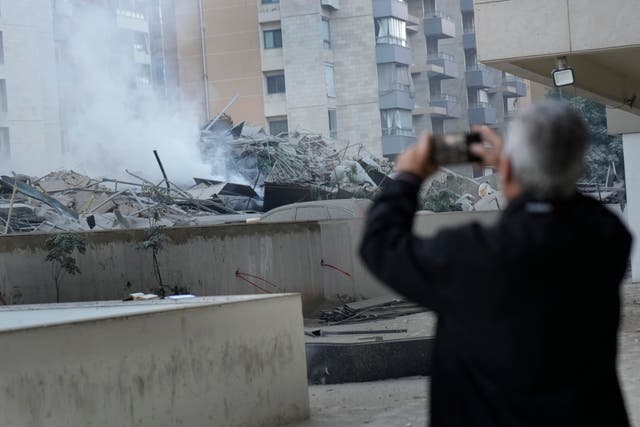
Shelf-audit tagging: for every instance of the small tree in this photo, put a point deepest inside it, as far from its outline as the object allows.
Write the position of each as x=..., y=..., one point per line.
x=60, y=253
x=155, y=241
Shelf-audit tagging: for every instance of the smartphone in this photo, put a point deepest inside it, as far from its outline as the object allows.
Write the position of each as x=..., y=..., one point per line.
x=454, y=148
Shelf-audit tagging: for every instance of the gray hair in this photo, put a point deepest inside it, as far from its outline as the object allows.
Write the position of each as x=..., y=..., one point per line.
x=546, y=145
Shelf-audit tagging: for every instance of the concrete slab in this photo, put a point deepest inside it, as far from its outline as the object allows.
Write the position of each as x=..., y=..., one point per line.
x=201, y=361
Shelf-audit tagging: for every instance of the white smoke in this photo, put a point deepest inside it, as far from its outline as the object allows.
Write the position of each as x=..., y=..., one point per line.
x=111, y=124
x=115, y=125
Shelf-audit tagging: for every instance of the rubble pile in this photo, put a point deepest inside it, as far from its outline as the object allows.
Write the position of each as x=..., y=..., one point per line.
x=69, y=201
x=282, y=169
x=293, y=167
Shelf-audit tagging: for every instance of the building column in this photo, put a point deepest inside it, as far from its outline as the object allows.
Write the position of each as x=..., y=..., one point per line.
x=631, y=146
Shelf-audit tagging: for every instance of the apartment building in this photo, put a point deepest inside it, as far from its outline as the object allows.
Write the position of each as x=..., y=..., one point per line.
x=370, y=72
x=29, y=116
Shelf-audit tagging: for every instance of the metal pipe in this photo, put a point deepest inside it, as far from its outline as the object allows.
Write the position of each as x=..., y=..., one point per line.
x=205, y=75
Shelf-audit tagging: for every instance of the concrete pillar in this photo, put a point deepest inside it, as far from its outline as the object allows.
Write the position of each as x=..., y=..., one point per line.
x=631, y=145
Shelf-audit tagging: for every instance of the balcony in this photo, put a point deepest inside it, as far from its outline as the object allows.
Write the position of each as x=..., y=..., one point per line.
x=400, y=96
x=480, y=76
x=268, y=12
x=420, y=111
x=445, y=106
x=141, y=56
x=395, y=144
x=466, y=5
x=442, y=66
x=331, y=4
x=387, y=51
x=513, y=87
x=469, y=39
x=131, y=20
x=439, y=26
x=390, y=8
x=482, y=113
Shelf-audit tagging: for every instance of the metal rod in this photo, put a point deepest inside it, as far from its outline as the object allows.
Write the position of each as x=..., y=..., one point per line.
x=164, y=174
x=107, y=200
x=13, y=197
x=205, y=74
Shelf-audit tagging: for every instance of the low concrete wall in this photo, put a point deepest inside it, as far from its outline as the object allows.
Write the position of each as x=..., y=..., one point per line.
x=209, y=362
x=205, y=260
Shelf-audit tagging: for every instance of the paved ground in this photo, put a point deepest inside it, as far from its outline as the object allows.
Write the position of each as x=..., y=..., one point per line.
x=403, y=402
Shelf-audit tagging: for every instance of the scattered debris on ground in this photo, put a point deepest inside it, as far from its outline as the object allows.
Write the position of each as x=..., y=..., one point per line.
x=386, y=307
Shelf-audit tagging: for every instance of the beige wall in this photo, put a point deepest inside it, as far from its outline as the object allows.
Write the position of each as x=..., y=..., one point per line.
x=232, y=54
x=206, y=259
x=208, y=362
x=29, y=68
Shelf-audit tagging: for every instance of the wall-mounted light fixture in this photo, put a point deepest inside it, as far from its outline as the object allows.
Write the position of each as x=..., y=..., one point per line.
x=563, y=75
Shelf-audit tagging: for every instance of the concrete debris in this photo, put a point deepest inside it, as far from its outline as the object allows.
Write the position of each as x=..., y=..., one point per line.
x=141, y=296
x=282, y=169
x=69, y=201
x=293, y=167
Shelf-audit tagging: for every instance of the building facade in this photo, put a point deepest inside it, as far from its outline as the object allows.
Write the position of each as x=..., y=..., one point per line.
x=29, y=109
x=369, y=72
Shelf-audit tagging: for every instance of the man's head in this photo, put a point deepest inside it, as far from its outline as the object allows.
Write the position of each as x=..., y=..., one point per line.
x=544, y=152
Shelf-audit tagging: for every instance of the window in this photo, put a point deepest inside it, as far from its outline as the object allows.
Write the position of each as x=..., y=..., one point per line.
x=330, y=81
x=391, y=31
x=429, y=6
x=1, y=47
x=270, y=1
x=396, y=122
x=471, y=59
x=435, y=88
x=5, y=146
x=3, y=96
x=468, y=22
x=275, y=83
x=432, y=46
x=333, y=124
x=478, y=98
x=278, y=125
x=141, y=42
x=273, y=39
x=394, y=76
x=326, y=32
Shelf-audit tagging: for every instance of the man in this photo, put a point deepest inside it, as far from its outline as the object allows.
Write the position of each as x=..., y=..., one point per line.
x=528, y=309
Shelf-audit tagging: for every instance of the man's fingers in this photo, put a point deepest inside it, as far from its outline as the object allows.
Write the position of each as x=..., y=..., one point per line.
x=489, y=135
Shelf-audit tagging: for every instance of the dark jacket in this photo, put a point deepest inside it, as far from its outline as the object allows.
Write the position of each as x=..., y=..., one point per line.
x=528, y=309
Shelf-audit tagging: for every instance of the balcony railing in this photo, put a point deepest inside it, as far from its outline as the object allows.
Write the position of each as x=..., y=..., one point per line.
x=130, y=14
x=480, y=104
x=477, y=67
x=444, y=97
x=438, y=14
x=440, y=55
x=403, y=87
x=512, y=79
x=395, y=131
x=392, y=40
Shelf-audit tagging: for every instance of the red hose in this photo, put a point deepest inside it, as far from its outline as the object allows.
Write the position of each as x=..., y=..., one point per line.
x=242, y=275
x=324, y=264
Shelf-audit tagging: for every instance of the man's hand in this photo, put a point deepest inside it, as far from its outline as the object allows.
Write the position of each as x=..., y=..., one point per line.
x=416, y=159
x=490, y=148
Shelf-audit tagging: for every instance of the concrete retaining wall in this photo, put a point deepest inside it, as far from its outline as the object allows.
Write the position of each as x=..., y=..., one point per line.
x=157, y=363
x=205, y=260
